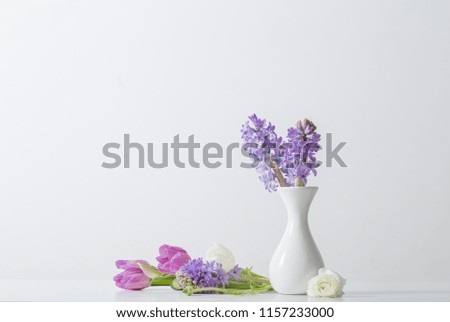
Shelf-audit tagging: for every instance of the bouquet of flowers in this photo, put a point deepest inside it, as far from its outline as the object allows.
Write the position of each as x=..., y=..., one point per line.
x=215, y=273
x=284, y=163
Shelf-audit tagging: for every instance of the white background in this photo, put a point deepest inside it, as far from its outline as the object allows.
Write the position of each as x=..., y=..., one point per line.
x=75, y=75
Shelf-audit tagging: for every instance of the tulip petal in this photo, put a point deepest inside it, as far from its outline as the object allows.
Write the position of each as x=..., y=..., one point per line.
x=171, y=258
x=149, y=270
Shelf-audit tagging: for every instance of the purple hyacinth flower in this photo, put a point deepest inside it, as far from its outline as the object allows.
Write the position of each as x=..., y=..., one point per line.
x=293, y=159
x=299, y=152
x=199, y=273
x=235, y=273
x=261, y=143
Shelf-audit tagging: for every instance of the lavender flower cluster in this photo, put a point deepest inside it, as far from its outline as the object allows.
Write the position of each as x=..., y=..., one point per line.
x=294, y=159
x=260, y=140
x=199, y=274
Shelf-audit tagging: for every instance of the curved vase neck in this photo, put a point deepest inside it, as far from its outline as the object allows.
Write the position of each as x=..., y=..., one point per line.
x=297, y=200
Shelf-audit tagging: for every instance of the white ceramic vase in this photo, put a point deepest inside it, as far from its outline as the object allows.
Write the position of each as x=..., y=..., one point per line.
x=297, y=258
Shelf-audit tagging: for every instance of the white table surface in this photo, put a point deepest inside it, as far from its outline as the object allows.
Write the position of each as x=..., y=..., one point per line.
x=106, y=291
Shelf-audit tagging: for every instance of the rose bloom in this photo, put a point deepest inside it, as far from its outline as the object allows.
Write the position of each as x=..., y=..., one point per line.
x=326, y=284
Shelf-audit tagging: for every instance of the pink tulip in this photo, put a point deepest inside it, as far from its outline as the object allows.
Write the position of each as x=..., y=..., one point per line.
x=171, y=258
x=132, y=278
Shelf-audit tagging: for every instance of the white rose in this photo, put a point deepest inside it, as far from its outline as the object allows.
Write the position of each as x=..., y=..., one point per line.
x=326, y=284
x=221, y=255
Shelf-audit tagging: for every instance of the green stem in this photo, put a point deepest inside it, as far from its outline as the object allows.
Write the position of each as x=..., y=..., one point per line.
x=257, y=275
x=238, y=285
x=164, y=280
x=260, y=280
x=299, y=182
x=255, y=290
x=251, y=277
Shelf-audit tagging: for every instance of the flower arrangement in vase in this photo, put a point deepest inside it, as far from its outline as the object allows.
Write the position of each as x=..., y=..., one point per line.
x=284, y=166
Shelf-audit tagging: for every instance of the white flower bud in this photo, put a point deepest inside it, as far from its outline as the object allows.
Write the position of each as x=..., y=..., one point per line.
x=221, y=255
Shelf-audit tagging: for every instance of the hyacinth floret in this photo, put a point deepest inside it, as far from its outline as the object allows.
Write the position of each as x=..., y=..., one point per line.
x=200, y=274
